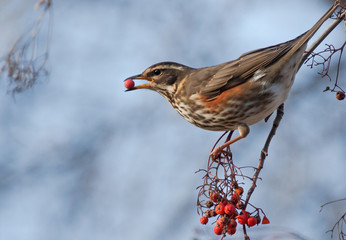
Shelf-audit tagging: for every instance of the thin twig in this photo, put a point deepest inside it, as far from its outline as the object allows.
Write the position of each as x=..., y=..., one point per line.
x=264, y=152
x=331, y=202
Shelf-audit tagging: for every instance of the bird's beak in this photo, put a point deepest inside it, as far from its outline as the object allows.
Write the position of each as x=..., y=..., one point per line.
x=144, y=85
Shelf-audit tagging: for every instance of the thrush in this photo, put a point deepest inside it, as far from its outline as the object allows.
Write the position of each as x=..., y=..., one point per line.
x=235, y=94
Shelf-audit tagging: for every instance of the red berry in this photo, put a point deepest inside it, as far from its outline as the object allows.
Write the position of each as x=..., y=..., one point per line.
x=235, y=198
x=230, y=209
x=340, y=95
x=219, y=209
x=129, y=83
x=203, y=220
x=246, y=213
x=231, y=230
x=224, y=202
x=251, y=221
x=242, y=219
x=265, y=220
x=221, y=222
x=232, y=224
x=217, y=230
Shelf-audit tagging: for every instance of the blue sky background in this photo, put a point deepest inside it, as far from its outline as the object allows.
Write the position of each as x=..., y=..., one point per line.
x=82, y=159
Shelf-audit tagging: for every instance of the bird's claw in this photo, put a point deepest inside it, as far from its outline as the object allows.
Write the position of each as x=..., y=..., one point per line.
x=215, y=153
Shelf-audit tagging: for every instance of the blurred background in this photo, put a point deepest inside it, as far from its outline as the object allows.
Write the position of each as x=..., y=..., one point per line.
x=82, y=159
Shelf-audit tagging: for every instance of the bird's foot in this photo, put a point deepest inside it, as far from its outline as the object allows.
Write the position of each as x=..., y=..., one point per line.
x=215, y=153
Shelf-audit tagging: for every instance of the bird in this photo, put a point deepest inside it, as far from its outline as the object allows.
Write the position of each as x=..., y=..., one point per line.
x=232, y=95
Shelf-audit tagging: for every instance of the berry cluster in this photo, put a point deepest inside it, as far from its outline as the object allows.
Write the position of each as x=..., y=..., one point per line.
x=228, y=213
x=220, y=195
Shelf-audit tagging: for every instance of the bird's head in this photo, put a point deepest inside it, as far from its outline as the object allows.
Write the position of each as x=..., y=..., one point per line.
x=162, y=77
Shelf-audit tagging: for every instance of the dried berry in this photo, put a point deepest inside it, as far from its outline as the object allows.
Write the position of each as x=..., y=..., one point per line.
x=239, y=191
x=213, y=213
x=215, y=197
x=208, y=213
x=209, y=204
x=240, y=205
x=340, y=95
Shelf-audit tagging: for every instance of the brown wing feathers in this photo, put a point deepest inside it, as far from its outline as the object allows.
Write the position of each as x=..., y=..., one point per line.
x=240, y=70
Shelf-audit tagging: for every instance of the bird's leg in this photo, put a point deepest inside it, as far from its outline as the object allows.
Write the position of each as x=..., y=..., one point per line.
x=243, y=132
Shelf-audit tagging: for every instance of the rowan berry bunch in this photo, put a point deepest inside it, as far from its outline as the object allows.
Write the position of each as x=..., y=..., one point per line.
x=220, y=196
x=229, y=213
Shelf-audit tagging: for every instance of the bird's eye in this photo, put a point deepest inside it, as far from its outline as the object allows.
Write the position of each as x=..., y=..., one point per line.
x=157, y=72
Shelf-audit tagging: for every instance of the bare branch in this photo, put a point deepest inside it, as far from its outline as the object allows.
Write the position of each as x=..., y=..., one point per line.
x=26, y=61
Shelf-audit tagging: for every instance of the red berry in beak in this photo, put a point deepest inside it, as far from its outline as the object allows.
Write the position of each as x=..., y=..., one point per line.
x=129, y=83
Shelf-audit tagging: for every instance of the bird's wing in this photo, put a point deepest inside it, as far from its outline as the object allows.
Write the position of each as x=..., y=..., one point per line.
x=242, y=69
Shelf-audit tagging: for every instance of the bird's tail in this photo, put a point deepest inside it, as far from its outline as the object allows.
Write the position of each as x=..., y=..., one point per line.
x=301, y=41
x=327, y=31
x=311, y=32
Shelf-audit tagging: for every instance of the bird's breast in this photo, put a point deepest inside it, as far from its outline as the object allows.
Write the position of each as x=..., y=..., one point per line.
x=246, y=103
